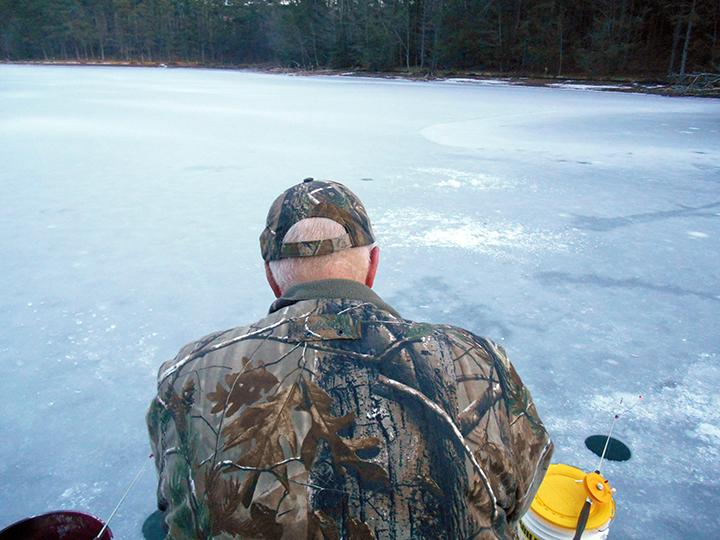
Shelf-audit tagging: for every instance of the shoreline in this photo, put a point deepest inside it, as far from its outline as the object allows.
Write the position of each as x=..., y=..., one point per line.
x=626, y=84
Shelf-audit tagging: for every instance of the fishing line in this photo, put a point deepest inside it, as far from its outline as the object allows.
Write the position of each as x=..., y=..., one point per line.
x=587, y=505
x=616, y=417
x=122, y=500
x=608, y=448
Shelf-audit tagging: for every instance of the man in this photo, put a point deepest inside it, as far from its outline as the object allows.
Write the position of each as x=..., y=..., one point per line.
x=333, y=417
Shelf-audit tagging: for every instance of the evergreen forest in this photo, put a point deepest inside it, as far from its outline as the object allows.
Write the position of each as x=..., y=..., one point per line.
x=590, y=38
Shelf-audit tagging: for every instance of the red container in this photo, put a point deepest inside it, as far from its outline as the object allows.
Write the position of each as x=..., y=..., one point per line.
x=61, y=525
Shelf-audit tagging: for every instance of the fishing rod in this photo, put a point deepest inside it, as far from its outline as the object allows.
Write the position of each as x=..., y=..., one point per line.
x=594, y=482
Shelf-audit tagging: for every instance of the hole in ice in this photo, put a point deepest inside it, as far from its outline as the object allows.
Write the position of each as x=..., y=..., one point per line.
x=154, y=527
x=616, y=449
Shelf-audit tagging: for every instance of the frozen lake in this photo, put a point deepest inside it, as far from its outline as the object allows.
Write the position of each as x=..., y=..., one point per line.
x=579, y=229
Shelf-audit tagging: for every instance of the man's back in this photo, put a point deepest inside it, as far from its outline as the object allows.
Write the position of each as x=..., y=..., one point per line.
x=335, y=418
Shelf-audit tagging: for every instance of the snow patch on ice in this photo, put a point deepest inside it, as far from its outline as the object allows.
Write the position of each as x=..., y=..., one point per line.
x=479, y=82
x=456, y=179
x=449, y=183
x=709, y=432
x=411, y=227
x=689, y=403
x=580, y=86
x=82, y=495
x=697, y=234
x=470, y=236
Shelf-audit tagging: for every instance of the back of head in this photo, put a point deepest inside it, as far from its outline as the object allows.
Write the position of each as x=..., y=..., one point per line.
x=351, y=263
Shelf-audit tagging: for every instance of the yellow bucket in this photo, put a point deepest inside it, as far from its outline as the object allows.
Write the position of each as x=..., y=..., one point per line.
x=554, y=512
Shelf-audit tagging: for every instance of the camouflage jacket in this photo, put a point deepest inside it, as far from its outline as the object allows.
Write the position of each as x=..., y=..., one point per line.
x=334, y=418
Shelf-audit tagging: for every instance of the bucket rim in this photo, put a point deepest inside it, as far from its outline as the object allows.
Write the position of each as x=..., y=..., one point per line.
x=69, y=513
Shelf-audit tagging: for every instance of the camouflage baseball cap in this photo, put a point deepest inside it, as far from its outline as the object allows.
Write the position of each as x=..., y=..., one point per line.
x=308, y=199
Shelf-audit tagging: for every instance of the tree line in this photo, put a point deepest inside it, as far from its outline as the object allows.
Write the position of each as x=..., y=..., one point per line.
x=542, y=37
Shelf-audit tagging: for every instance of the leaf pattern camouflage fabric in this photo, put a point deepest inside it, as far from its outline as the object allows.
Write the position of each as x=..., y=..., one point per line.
x=335, y=418
x=310, y=199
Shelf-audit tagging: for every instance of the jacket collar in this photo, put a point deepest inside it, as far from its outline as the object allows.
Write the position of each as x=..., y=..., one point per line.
x=331, y=288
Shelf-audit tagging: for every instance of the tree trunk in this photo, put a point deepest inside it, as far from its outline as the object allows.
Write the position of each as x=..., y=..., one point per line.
x=560, y=59
x=629, y=37
x=500, y=37
x=423, y=27
x=688, y=34
x=715, y=27
x=314, y=44
x=437, y=22
x=303, y=55
x=407, y=36
x=676, y=40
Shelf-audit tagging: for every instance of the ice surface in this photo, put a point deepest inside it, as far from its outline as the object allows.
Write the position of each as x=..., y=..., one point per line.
x=579, y=229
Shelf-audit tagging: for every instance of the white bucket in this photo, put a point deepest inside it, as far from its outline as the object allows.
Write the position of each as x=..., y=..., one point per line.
x=533, y=527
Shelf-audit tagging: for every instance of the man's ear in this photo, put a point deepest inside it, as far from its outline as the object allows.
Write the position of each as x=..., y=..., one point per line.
x=372, y=268
x=271, y=281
